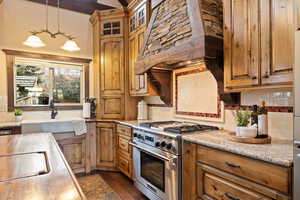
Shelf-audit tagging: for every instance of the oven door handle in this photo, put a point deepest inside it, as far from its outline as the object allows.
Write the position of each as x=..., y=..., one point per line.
x=171, y=160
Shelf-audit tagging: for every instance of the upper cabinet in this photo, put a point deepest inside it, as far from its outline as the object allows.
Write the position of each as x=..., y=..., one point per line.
x=110, y=35
x=138, y=20
x=258, y=44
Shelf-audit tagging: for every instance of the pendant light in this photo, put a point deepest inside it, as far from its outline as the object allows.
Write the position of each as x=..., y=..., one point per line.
x=34, y=41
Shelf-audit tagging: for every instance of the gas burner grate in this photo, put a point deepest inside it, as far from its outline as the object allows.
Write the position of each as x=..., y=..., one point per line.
x=189, y=129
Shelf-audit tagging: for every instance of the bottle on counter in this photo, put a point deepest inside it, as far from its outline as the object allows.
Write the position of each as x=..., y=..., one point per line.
x=262, y=121
x=254, y=115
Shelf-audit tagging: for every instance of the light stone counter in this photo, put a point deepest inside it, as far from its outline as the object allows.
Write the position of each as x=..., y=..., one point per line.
x=279, y=152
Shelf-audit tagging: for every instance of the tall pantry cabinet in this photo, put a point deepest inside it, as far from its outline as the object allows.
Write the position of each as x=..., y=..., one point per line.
x=111, y=74
x=258, y=44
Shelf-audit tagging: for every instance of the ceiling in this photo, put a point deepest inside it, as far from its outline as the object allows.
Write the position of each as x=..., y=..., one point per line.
x=82, y=6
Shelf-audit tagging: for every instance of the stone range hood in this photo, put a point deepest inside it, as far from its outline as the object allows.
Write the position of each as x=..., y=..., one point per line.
x=182, y=33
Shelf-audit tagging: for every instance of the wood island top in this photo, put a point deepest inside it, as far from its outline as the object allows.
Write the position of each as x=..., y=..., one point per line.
x=32, y=167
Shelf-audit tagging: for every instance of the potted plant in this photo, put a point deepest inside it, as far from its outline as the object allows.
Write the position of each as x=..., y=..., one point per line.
x=18, y=115
x=242, y=118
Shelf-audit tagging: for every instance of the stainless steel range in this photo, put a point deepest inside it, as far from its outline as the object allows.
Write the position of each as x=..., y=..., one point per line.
x=157, y=157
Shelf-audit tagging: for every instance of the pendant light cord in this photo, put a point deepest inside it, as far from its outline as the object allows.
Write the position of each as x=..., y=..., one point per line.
x=47, y=15
x=58, y=16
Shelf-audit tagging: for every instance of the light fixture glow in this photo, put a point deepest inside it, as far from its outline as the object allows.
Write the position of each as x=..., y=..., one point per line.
x=34, y=41
x=70, y=45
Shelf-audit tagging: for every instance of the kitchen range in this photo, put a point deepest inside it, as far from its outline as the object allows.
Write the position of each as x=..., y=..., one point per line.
x=157, y=154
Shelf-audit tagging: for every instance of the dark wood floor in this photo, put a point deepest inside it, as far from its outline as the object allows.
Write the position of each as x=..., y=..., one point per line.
x=122, y=186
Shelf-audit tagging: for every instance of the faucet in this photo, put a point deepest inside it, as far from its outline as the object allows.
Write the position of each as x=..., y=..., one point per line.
x=53, y=110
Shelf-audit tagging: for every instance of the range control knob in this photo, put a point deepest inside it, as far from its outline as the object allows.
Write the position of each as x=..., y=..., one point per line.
x=135, y=135
x=157, y=144
x=169, y=146
x=139, y=136
x=163, y=144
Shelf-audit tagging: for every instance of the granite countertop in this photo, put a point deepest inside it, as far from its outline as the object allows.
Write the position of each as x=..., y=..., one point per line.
x=279, y=152
x=9, y=124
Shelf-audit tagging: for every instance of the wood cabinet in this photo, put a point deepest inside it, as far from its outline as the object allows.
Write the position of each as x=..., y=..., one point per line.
x=276, y=52
x=74, y=150
x=110, y=35
x=124, y=150
x=223, y=175
x=256, y=56
x=139, y=13
x=106, y=154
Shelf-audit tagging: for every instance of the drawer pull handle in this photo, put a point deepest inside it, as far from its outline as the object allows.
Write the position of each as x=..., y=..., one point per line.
x=232, y=165
x=230, y=197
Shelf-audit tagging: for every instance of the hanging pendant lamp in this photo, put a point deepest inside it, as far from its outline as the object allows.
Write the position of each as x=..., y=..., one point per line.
x=34, y=41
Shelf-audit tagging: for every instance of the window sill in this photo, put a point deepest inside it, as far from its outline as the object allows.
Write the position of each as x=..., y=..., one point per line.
x=46, y=108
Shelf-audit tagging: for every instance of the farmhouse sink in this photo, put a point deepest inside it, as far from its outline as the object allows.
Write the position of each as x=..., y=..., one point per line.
x=48, y=125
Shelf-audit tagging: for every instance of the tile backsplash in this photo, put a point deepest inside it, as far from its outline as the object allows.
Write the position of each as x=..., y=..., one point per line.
x=275, y=97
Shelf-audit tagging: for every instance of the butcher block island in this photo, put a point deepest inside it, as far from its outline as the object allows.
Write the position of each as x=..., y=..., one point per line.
x=33, y=168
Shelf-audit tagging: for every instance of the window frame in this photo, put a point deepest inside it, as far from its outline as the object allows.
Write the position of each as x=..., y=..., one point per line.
x=10, y=60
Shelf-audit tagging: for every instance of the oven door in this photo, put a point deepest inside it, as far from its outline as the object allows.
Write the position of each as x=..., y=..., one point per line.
x=157, y=173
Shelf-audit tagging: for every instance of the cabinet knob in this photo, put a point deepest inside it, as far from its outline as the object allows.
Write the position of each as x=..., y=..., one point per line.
x=253, y=77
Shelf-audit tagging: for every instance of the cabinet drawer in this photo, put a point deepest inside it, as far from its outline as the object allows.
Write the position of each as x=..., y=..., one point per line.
x=219, y=189
x=124, y=130
x=124, y=146
x=270, y=175
x=125, y=165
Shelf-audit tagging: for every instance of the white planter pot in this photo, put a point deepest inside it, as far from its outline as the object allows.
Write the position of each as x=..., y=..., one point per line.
x=250, y=132
x=19, y=118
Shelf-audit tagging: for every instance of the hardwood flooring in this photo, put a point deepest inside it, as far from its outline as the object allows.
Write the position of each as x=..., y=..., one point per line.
x=122, y=186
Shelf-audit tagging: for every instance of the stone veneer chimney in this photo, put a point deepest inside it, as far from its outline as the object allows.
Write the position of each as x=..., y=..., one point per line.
x=185, y=32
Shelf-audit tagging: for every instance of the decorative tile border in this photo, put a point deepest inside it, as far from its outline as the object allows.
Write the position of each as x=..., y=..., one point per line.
x=195, y=114
x=287, y=109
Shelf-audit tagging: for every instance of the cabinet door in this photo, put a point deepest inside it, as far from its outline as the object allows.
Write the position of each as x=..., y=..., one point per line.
x=112, y=78
x=142, y=79
x=138, y=83
x=112, y=66
x=74, y=151
x=132, y=59
x=212, y=186
x=241, y=43
x=106, y=146
x=277, y=40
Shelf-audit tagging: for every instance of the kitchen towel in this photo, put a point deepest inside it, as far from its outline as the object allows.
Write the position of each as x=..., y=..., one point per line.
x=79, y=126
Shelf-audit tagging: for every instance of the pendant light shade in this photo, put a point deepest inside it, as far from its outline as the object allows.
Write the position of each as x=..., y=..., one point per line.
x=34, y=41
x=70, y=45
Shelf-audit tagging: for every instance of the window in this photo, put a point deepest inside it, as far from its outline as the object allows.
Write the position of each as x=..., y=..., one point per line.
x=112, y=28
x=36, y=82
x=141, y=16
x=132, y=23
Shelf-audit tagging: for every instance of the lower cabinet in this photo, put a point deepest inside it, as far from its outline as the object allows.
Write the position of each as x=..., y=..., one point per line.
x=213, y=174
x=125, y=164
x=74, y=150
x=106, y=154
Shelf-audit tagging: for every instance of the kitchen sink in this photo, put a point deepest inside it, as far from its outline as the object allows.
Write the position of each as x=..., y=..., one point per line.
x=48, y=125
